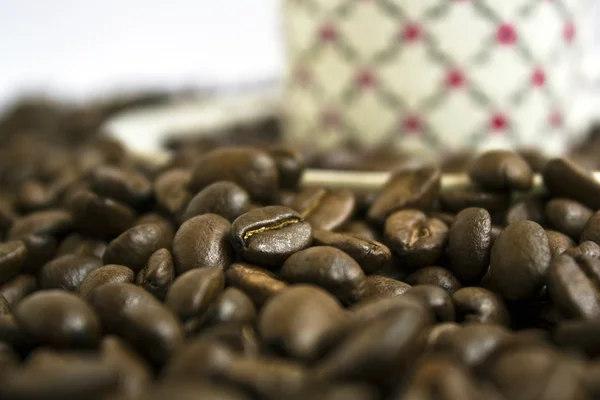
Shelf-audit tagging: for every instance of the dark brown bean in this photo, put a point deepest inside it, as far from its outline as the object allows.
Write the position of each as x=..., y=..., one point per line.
x=476, y=304
x=241, y=339
x=568, y=216
x=171, y=190
x=408, y=188
x=40, y=249
x=501, y=170
x=34, y=196
x=232, y=307
x=106, y=274
x=81, y=245
x=416, y=240
x=135, y=315
x=48, y=222
x=124, y=185
x=581, y=187
x=193, y=391
x=436, y=299
x=531, y=208
x=100, y=216
x=587, y=248
x=456, y=199
x=222, y=198
x=591, y=231
x=197, y=359
x=329, y=268
x=339, y=391
x=558, y=243
x=290, y=165
x=435, y=276
x=380, y=286
x=12, y=257
x=359, y=229
x=59, y=319
x=158, y=274
x=4, y=306
x=252, y=169
x=325, y=209
x=269, y=235
x=192, y=292
x=202, y=241
x=258, y=283
x=134, y=247
x=165, y=224
x=17, y=288
x=134, y=372
x=67, y=272
x=369, y=254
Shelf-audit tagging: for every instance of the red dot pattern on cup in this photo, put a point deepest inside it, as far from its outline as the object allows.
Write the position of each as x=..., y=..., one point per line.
x=569, y=31
x=538, y=78
x=499, y=122
x=455, y=78
x=330, y=118
x=412, y=124
x=556, y=119
x=328, y=33
x=365, y=78
x=506, y=35
x=411, y=32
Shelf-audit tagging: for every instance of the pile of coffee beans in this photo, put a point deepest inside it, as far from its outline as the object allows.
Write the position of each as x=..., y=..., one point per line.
x=217, y=276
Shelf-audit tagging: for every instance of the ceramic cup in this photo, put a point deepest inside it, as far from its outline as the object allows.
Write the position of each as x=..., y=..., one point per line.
x=432, y=75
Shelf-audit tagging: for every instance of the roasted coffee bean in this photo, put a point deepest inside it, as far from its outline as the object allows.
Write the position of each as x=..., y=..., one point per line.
x=531, y=208
x=258, y=283
x=582, y=335
x=473, y=344
x=520, y=260
x=379, y=351
x=222, y=198
x=563, y=178
x=359, y=229
x=329, y=268
x=241, y=339
x=408, y=188
x=394, y=270
x=340, y=391
x=4, y=306
x=135, y=315
x=33, y=195
x=437, y=276
x=171, y=190
x=269, y=235
x=252, y=169
x=591, y=231
x=418, y=241
x=456, y=199
x=49, y=222
x=59, y=319
x=158, y=274
x=568, y=216
x=202, y=241
x=232, y=307
x=325, y=209
x=366, y=312
x=587, y=248
x=197, y=359
x=134, y=373
x=81, y=245
x=370, y=255
x=558, y=243
x=100, y=216
x=435, y=299
x=435, y=333
x=377, y=286
x=9, y=359
x=124, y=185
x=12, y=334
x=192, y=292
x=67, y=272
x=573, y=286
x=476, y=304
x=297, y=321
x=13, y=255
x=134, y=247
x=154, y=218
x=470, y=244
x=446, y=218
x=501, y=170
x=290, y=165
x=40, y=250
x=106, y=274
x=193, y=391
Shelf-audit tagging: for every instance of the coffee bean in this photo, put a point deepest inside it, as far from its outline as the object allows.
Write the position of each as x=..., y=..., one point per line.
x=33, y=195
x=134, y=247
x=290, y=165
x=171, y=190
x=252, y=169
x=17, y=288
x=297, y=320
x=269, y=235
x=241, y=339
x=591, y=231
x=581, y=335
x=59, y=319
x=329, y=268
x=197, y=359
x=366, y=312
x=193, y=391
x=165, y=224
x=573, y=286
x=4, y=306
x=81, y=245
x=435, y=299
x=581, y=187
x=501, y=170
x=476, y=304
x=456, y=199
x=340, y=391
x=469, y=244
x=380, y=286
x=192, y=292
x=158, y=274
x=48, y=222
x=325, y=209
x=100, y=216
x=9, y=359
x=370, y=254
x=558, y=243
x=12, y=257
x=531, y=208
x=67, y=272
x=359, y=229
x=520, y=260
x=123, y=185
x=134, y=372
x=222, y=198
x=106, y=274
x=437, y=276
x=587, y=248
x=232, y=307
x=418, y=241
x=136, y=316
x=202, y=241
x=446, y=218
x=408, y=188
x=568, y=216
x=434, y=334
x=258, y=283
